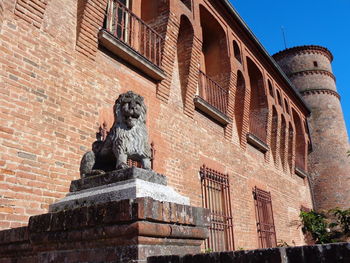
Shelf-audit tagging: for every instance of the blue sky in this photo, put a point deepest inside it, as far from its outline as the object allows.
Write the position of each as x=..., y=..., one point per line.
x=325, y=23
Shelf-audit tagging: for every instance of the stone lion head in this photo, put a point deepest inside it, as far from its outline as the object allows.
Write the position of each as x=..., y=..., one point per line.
x=130, y=110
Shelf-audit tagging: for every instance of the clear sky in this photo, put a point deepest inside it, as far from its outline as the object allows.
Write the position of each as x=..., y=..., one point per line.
x=306, y=22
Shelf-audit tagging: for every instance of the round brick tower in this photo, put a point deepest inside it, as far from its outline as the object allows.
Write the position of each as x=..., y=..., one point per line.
x=309, y=69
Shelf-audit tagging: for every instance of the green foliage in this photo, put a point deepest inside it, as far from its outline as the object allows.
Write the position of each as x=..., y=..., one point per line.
x=342, y=219
x=316, y=224
x=333, y=226
x=208, y=250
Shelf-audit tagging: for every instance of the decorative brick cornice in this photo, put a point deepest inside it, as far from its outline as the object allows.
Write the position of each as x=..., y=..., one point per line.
x=312, y=72
x=310, y=49
x=320, y=91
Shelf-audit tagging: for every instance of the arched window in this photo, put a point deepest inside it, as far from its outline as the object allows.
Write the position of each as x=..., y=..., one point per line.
x=184, y=48
x=274, y=134
x=286, y=105
x=283, y=139
x=215, y=64
x=237, y=51
x=270, y=89
x=239, y=103
x=300, y=149
x=279, y=99
x=258, y=111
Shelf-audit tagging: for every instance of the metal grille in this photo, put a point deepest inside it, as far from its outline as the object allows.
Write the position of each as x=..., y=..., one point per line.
x=212, y=92
x=138, y=163
x=265, y=222
x=216, y=197
x=134, y=32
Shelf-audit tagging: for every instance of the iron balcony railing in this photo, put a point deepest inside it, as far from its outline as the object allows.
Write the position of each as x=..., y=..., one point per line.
x=134, y=32
x=212, y=92
x=257, y=127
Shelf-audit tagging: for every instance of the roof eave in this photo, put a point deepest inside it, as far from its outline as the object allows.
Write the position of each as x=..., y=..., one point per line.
x=265, y=53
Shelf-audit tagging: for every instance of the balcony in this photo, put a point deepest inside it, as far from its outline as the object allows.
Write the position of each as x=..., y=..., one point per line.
x=130, y=38
x=257, y=134
x=300, y=166
x=212, y=99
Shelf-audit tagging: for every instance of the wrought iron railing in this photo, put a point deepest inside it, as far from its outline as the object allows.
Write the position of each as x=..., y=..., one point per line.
x=212, y=92
x=265, y=222
x=216, y=197
x=257, y=125
x=134, y=32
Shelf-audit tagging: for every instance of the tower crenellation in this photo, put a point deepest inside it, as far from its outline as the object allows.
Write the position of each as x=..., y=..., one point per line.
x=309, y=68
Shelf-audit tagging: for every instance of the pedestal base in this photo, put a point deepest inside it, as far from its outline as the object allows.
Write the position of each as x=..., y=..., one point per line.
x=129, y=183
x=120, y=231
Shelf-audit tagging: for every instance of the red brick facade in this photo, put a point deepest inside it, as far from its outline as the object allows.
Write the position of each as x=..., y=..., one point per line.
x=58, y=86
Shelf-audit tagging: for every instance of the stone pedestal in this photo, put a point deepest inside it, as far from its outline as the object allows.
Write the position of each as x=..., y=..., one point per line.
x=123, y=231
x=118, y=185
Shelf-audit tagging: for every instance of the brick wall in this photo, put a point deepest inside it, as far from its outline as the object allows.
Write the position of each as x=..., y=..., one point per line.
x=309, y=68
x=56, y=83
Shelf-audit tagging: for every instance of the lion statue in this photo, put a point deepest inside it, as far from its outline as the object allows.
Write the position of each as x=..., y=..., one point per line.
x=128, y=138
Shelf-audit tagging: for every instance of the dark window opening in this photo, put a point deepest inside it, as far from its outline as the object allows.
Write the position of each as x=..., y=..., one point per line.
x=237, y=52
x=264, y=215
x=216, y=197
x=286, y=105
x=279, y=98
x=315, y=64
x=270, y=89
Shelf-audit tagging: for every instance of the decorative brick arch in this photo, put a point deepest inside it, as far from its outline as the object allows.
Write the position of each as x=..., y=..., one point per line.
x=259, y=109
x=239, y=111
x=184, y=52
x=300, y=142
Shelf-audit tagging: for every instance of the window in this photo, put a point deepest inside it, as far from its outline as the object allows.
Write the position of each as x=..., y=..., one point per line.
x=279, y=98
x=270, y=89
x=258, y=112
x=286, y=106
x=132, y=38
x=237, y=52
x=315, y=64
x=214, y=71
x=264, y=215
x=216, y=197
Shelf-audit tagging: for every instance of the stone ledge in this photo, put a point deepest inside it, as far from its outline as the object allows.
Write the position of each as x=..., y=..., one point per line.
x=257, y=143
x=118, y=212
x=208, y=109
x=117, y=176
x=300, y=172
x=328, y=253
x=127, y=53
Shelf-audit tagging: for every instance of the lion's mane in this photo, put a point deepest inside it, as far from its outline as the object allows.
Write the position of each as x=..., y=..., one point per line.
x=132, y=141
